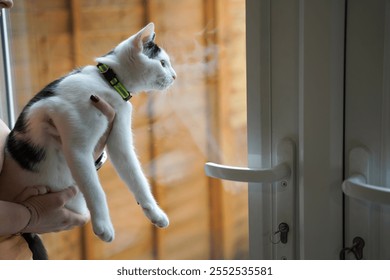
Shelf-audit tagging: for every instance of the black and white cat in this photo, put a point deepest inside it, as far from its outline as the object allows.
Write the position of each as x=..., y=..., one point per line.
x=63, y=109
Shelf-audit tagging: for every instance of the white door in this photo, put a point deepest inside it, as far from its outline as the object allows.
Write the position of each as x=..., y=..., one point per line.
x=367, y=127
x=295, y=76
x=318, y=125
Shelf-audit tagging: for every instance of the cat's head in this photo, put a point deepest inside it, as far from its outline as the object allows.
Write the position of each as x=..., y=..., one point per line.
x=140, y=63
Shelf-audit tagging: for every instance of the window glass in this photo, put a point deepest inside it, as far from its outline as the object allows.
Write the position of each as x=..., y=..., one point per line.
x=202, y=117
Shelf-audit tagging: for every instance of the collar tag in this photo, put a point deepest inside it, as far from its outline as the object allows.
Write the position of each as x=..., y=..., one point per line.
x=113, y=80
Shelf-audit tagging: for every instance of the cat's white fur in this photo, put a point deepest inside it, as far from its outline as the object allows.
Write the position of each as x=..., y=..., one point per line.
x=80, y=125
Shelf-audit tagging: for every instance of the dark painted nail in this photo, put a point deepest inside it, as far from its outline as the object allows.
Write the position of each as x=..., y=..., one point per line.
x=95, y=98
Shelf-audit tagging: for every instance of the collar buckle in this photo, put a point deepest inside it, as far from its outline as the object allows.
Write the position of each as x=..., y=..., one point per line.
x=113, y=80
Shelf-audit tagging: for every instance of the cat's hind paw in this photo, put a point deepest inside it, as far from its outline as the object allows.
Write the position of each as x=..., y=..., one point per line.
x=156, y=216
x=162, y=222
x=104, y=231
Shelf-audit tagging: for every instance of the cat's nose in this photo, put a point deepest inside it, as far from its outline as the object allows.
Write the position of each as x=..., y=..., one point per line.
x=173, y=73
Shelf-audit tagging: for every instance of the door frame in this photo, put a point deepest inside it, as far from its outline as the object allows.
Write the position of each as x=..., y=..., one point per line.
x=295, y=53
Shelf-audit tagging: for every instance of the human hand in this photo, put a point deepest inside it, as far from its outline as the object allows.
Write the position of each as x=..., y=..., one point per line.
x=109, y=112
x=47, y=210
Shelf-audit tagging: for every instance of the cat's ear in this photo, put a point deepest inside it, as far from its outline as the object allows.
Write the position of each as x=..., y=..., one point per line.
x=144, y=36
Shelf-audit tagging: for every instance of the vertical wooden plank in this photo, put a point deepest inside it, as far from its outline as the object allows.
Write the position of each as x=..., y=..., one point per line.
x=180, y=128
x=230, y=110
x=76, y=32
x=235, y=148
x=95, y=36
x=41, y=52
x=214, y=123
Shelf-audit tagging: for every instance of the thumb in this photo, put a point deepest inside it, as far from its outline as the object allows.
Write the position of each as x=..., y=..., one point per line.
x=69, y=193
x=62, y=197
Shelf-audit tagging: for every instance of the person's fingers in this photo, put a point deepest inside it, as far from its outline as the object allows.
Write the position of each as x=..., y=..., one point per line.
x=41, y=189
x=72, y=219
x=31, y=191
x=78, y=219
x=70, y=192
x=109, y=112
x=48, y=212
x=104, y=107
x=60, y=198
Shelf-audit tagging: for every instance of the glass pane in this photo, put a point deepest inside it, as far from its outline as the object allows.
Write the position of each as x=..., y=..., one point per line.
x=367, y=120
x=201, y=117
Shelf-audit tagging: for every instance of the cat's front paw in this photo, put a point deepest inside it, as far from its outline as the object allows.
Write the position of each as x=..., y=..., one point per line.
x=156, y=215
x=105, y=231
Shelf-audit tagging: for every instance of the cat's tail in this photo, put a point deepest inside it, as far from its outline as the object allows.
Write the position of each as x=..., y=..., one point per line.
x=36, y=246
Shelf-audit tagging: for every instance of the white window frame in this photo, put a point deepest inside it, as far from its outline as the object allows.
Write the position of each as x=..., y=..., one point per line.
x=6, y=77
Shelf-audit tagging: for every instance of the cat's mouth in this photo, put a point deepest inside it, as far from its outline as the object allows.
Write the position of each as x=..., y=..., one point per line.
x=164, y=84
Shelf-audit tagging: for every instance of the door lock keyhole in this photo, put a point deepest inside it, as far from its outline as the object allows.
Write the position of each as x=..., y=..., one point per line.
x=356, y=249
x=283, y=229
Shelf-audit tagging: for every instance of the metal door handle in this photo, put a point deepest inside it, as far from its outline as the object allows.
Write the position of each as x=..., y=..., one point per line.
x=283, y=194
x=239, y=174
x=282, y=170
x=356, y=185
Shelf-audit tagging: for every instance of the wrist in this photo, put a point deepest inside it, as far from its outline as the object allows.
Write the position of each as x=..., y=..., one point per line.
x=30, y=214
x=13, y=217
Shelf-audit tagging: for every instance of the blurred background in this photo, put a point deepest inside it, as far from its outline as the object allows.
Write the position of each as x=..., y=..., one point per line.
x=202, y=117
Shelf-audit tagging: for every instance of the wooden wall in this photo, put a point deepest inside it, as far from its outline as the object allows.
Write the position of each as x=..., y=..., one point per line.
x=202, y=117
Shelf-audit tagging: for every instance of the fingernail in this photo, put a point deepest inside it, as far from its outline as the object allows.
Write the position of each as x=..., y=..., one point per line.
x=73, y=190
x=95, y=98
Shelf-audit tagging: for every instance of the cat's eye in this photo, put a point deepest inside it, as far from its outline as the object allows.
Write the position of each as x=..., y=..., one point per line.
x=163, y=63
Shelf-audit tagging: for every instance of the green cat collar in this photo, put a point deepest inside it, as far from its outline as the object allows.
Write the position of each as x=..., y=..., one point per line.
x=113, y=80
